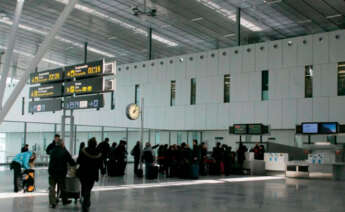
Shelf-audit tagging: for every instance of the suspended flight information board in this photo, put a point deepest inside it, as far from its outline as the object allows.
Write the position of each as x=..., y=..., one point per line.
x=45, y=106
x=84, y=102
x=86, y=86
x=92, y=69
x=46, y=91
x=46, y=76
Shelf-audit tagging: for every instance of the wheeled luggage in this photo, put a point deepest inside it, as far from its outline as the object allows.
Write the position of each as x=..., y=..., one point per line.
x=152, y=172
x=195, y=171
x=29, y=180
x=111, y=166
x=72, y=188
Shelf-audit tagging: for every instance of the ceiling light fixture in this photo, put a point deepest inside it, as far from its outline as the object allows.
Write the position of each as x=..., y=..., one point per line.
x=121, y=23
x=230, y=15
x=112, y=38
x=197, y=19
x=334, y=16
x=229, y=35
x=59, y=38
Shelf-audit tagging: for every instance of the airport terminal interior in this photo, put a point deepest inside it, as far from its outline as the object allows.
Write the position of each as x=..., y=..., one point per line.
x=174, y=105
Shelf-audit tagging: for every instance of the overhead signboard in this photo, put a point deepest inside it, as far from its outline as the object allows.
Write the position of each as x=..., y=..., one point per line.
x=240, y=129
x=46, y=91
x=255, y=129
x=84, y=102
x=92, y=69
x=45, y=106
x=88, y=86
x=50, y=76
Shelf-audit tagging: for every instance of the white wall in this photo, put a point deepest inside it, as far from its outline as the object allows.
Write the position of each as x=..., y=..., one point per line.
x=285, y=108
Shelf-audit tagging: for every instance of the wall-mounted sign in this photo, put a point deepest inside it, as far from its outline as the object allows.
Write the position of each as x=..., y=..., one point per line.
x=46, y=76
x=92, y=69
x=45, y=106
x=84, y=102
x=46, y=91
x=88, y=86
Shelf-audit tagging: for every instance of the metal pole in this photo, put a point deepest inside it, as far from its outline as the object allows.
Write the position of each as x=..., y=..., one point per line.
x=55, y=129
x=238, y=29
x=41, y=52
x=102, y=136
x=63, y=125
x=10, y=48
x=25, y=131
x=85, y=52
x=71, y=136
x=75, y=139
x=141, y=131
x=149, y=43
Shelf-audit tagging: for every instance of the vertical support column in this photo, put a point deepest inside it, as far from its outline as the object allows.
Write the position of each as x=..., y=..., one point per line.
x=75, y=139
x=238, y=26
x=141, y=131
x=63, y=125
x=85, y=52
x=127, y=137
x=149, y=43
x=102, y=135
x=149, y=140
x=55, y=129
x=25, y=131
x=169, y=138
x=71, y=137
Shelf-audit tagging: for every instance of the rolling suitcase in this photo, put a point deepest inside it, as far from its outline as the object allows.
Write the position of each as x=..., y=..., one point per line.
x=72, y=188
x=29, y=180
x=195, y=171
x=152, y=172
x=111, y=166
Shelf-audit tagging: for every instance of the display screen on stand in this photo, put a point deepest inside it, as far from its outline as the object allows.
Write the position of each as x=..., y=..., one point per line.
x=310, y=128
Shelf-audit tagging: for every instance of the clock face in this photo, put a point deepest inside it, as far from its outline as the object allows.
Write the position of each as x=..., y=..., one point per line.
x=133, y=112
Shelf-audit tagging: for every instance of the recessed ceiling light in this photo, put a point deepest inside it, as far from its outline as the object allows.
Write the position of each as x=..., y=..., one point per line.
x=197, y=19
x=304, y=21
x=334, y=16
x=229, y=35
x=112, y=38
x=272, y=1
x=68, y=48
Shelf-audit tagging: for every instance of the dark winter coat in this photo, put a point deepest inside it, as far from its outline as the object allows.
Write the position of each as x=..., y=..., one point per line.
x=90, y=161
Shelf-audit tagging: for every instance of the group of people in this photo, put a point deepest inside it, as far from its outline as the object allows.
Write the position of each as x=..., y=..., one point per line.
x=180, y=160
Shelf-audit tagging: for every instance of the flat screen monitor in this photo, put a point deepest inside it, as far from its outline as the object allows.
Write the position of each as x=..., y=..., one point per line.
x=240, y=129
x=310, y=128
x=328, y=128
x=255, y=129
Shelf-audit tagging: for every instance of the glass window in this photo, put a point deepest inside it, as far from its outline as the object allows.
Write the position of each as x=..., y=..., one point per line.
x=157, y=137
x=172, y=92
x=264, y=85
x=137, y=94
x=192, y=91
x=227, y=81
x=308, y=81
x=341, y=79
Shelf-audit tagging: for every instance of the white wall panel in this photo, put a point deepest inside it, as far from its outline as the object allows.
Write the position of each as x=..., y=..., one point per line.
x=235, y=113
x=212, y=63
x=325, y=80
x=248, y=60
x=179, y=117
x=189, y=117
x=191, y=61
x=236, y=59
x=273, y=83
x=321, y=48
x=296, y=82
x=162, y=69
x=170, y=68
x=304, y=110
x=223, y=116
x=180, y=67
x=336, y=46
x=255, y=86
x=211, y=116
x=182, y=92
x=284, y=75
x=336, y=109
x=201, y=64
x=224, y=61
x=320, y=109
x=261, y=56
x=247, y=112
x=289, y=113
x=275, y=114
x=290, y=52
x=200, y=117
x=275, y=55
x=305, y=50
x=261, y=112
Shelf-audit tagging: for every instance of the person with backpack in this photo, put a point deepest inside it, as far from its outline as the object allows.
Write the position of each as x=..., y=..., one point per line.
x=21, y=160
x=104, y=149
x=136, y=154
x=52, y=145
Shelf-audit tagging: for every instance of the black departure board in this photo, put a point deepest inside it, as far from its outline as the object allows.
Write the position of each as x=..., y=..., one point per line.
x=45, y=106
x=84, y=102
x=46, y=76
x=240, y=129
x=91, y=69
x=46, y=91
x=85, y=86
x=255, y=129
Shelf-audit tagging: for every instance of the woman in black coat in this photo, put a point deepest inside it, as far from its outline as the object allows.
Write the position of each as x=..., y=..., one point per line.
x=88, y=172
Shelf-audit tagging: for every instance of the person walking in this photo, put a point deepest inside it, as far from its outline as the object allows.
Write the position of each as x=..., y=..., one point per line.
x=52, y=145
x=21, y=160
x=104, y=149
x=57, y=169
x=90, y=162
x=136, y=154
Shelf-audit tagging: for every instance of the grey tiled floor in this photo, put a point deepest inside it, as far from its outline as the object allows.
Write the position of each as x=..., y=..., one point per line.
x=276, y=195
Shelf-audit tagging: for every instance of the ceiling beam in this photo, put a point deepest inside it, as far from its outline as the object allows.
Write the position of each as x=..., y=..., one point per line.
x=10, y=49
x=41, y=52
